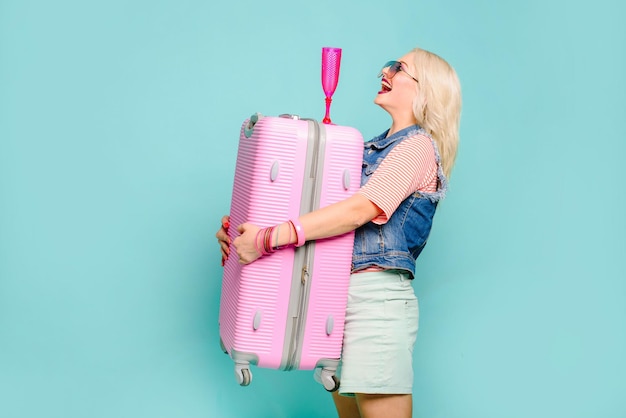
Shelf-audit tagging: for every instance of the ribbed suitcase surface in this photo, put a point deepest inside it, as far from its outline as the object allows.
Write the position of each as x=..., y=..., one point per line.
x=287, y=310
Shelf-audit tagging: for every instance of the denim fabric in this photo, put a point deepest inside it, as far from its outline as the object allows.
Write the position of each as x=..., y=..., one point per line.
x=397, y=243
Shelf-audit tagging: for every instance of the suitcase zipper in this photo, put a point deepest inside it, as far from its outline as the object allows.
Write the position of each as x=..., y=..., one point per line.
x=294, y=352
x=308, y=250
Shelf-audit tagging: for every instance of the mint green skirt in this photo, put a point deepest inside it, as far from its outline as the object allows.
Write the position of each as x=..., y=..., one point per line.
x=381, y=327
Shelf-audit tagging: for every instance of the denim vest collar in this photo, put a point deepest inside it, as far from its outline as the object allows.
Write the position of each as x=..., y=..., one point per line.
x=383, y=141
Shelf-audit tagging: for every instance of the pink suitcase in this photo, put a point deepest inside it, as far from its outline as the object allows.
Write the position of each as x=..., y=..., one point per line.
x=286, y=311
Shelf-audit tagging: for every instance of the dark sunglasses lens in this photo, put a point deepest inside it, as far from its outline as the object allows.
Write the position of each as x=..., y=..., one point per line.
x=392, y=68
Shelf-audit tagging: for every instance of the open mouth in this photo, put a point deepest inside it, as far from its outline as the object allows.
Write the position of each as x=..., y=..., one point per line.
x=385, y=87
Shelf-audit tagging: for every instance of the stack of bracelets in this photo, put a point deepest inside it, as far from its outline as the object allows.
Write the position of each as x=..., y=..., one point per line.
x=266, y=234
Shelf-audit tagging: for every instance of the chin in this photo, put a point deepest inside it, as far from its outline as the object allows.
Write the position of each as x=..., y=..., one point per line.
x=380, y=99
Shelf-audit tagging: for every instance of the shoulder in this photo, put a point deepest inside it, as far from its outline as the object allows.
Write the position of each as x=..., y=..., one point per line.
x=416, y=146
x=418, y=141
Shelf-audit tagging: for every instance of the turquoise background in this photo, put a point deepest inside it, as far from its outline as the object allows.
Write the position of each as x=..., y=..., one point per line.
x=118, y=137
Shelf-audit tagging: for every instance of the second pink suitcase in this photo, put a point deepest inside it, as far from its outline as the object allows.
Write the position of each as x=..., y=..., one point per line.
x=286, y=311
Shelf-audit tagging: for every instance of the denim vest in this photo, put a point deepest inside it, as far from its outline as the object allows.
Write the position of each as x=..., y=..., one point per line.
x=397, y=243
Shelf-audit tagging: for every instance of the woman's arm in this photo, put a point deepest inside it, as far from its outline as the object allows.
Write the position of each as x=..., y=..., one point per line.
x=336, y=219
x=339, y=218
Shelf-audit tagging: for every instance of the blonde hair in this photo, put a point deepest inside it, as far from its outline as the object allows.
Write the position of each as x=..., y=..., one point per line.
x=437, y=106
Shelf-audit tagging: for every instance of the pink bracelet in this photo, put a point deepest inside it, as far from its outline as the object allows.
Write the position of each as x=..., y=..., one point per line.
x=256, y=242
x=292, y=227
x=297, y=226
x=267, y=241
x=289, y=225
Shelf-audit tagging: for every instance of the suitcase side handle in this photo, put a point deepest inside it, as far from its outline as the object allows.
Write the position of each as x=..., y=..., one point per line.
x=249, y=128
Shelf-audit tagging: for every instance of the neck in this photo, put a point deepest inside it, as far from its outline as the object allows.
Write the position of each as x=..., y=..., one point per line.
x=398, y=125
x=400, y=118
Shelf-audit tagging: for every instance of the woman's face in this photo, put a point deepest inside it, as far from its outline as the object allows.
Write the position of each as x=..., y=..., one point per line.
x=398, y=87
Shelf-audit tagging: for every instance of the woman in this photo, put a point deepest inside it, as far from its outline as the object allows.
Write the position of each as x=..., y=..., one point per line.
x=405, y=172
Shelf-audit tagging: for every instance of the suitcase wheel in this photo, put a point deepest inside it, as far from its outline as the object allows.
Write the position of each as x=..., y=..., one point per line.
x=246, y=377
x=329, y=380
x=243, y=375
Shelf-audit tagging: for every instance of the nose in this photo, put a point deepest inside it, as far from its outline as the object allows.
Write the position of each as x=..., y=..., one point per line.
x=385, y=72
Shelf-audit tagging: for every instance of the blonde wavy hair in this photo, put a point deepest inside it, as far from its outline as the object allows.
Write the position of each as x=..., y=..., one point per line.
x=437, y=106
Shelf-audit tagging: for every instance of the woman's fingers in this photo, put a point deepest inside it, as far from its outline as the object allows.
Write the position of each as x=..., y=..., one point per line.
x=244, y=244
x=223, y=239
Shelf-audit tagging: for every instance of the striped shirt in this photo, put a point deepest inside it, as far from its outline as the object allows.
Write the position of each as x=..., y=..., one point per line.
x=409, y=167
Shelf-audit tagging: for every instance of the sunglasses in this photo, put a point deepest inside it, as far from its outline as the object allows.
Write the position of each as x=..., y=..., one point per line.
x=393, y=67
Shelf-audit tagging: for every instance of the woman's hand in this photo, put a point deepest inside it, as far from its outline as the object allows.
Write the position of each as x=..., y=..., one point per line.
x=222, y=238
x=245, y=244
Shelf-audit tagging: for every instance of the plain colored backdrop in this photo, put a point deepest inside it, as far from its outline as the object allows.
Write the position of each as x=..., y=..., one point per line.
x=118, y=136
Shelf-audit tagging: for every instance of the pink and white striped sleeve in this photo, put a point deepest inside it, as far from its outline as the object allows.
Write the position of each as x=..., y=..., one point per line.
x=411, y=166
